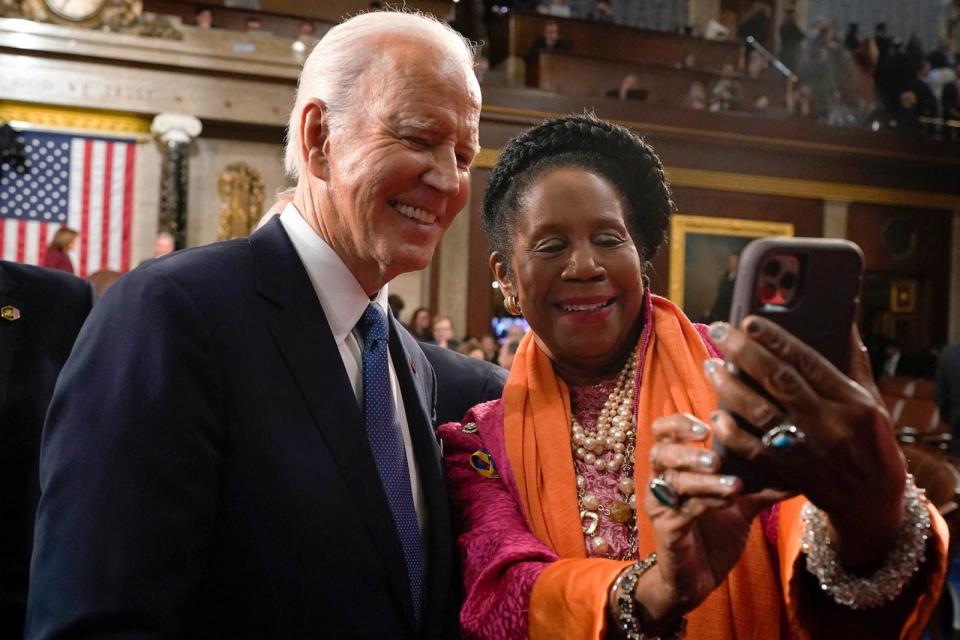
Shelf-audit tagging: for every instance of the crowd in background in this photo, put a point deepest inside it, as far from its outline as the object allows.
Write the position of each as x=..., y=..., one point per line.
x=439, y=330
x=849, y=78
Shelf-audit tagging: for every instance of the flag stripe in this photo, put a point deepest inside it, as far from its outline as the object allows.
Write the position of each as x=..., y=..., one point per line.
x=85, y=207
x=21, y=240
x=115, y=221
x=94, y=230
x=32, y=241
x=105, y=211
x=128, y=206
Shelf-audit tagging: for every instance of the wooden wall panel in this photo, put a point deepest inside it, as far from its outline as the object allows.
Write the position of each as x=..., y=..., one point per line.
x=928, y=264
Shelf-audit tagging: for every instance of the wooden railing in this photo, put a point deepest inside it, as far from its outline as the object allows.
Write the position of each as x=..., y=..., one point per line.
x=626, y=44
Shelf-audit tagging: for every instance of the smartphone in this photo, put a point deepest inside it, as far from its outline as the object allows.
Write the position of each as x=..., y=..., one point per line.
x=811, y=288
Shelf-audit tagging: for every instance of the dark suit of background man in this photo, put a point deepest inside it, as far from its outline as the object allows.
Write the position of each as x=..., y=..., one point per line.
x=462, y=382
x=228, y=453
x=41, y=312
x=948, y=391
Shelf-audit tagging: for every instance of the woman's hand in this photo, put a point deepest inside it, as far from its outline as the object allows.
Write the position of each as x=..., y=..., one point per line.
x=849, y=464
x=703, y=538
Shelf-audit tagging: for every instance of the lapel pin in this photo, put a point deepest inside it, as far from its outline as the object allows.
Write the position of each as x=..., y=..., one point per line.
x=10, y=313
x=482, y=462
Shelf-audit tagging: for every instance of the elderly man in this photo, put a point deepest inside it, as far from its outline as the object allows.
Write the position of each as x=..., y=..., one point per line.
x=240, y=445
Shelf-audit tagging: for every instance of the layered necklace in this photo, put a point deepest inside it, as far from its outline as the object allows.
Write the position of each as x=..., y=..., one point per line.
x=615, y=434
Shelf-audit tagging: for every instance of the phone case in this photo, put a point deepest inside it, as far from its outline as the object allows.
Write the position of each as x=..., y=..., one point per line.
x=810, y=287
x=825, y=304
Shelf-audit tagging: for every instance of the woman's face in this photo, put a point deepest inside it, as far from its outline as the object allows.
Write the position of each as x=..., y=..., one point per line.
x=576, y=271
x=421, y=321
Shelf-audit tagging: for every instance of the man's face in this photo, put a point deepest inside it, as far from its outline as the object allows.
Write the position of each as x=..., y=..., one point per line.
x=551, y=32
x=398, y=164
x=162, y=246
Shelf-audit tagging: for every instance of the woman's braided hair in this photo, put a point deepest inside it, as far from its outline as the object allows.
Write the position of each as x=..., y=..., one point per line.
x=586, y=142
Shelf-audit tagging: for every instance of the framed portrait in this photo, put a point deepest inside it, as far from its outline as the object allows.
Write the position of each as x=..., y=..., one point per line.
x=903, y=296
x=703, y=252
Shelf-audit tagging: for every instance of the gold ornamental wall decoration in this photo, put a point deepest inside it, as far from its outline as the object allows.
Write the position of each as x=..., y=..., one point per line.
x=241, y=200
x=118, y=16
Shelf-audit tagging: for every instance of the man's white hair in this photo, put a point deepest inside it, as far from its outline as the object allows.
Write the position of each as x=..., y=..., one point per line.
x=332, y=71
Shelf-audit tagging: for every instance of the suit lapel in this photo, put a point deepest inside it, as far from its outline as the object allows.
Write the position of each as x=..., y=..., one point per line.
x=9, y=331
x=303, y=336
x=437, y=537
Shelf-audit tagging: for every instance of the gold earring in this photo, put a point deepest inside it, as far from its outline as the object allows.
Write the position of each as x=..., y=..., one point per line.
x=512, y=304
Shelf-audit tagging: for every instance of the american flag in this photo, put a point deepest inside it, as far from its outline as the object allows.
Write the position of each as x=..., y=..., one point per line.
x=81, y=182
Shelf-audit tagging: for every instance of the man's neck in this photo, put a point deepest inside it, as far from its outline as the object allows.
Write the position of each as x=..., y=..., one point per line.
x=371, y=277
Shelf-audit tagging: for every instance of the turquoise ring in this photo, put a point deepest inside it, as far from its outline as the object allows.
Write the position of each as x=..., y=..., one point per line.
x=664, y=492
x=783, y=436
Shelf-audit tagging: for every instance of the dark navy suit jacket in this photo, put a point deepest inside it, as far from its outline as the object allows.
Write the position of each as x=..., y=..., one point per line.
x=52, y=306
x=206, y=471
x=462, y=382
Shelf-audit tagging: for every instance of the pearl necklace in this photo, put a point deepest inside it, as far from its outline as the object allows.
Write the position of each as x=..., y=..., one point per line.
x=615, y=433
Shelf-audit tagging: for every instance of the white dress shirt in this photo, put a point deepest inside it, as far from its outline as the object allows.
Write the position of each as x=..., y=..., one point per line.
x=344, y=301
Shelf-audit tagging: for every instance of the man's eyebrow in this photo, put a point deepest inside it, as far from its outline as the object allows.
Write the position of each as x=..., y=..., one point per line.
x=426, y=125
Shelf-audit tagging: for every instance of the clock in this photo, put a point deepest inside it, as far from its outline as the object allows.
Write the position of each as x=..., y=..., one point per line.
x=76, y=10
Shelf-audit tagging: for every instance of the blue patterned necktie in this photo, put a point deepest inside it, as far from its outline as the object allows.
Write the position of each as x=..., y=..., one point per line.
x=386, y=443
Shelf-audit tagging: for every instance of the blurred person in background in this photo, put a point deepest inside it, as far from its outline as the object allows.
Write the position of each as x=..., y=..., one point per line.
x=63, y=242
x=420, y=326
x=443, y=335
x=163, y=244
x=41, y=312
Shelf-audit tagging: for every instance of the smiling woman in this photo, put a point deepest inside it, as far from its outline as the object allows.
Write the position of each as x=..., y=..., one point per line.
x=600, y=509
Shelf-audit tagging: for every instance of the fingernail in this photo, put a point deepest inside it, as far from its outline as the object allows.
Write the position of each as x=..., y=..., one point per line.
x=718, y=331
x=705, y=460
x=753, y=327
x=698, y=429
x=710, y=366
x=727, y=481
x=762, y=415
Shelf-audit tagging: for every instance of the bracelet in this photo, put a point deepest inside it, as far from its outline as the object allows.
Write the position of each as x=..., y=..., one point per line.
x=621, y=594
x=884, y=584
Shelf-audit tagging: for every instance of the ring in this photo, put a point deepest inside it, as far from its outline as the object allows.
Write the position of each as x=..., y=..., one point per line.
x=783, y=436
x=664, y=492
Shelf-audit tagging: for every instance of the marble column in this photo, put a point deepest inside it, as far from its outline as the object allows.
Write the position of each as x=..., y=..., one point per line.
x=835, y=218
x=175, y=132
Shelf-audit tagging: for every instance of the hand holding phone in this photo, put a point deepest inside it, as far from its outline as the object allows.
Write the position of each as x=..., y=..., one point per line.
x=808, y=286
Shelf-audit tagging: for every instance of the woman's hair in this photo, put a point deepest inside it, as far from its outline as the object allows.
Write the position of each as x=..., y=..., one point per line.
x=332, y=71
x=62, y=239
x=585, y=142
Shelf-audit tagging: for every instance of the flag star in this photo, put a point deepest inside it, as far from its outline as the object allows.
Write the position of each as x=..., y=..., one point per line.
x=46, y=216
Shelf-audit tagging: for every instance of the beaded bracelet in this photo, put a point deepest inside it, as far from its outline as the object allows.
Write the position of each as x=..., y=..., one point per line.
x=884, y=584
x=621, y=593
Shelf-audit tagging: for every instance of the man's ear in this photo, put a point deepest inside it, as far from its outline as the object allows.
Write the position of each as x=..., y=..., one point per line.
x=314, y=138
x=500, y=270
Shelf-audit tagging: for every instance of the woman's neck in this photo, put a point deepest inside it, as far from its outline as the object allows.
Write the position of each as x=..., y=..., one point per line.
x=591, y=371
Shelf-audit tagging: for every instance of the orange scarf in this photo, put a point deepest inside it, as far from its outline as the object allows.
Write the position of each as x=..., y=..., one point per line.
x=569, y=598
